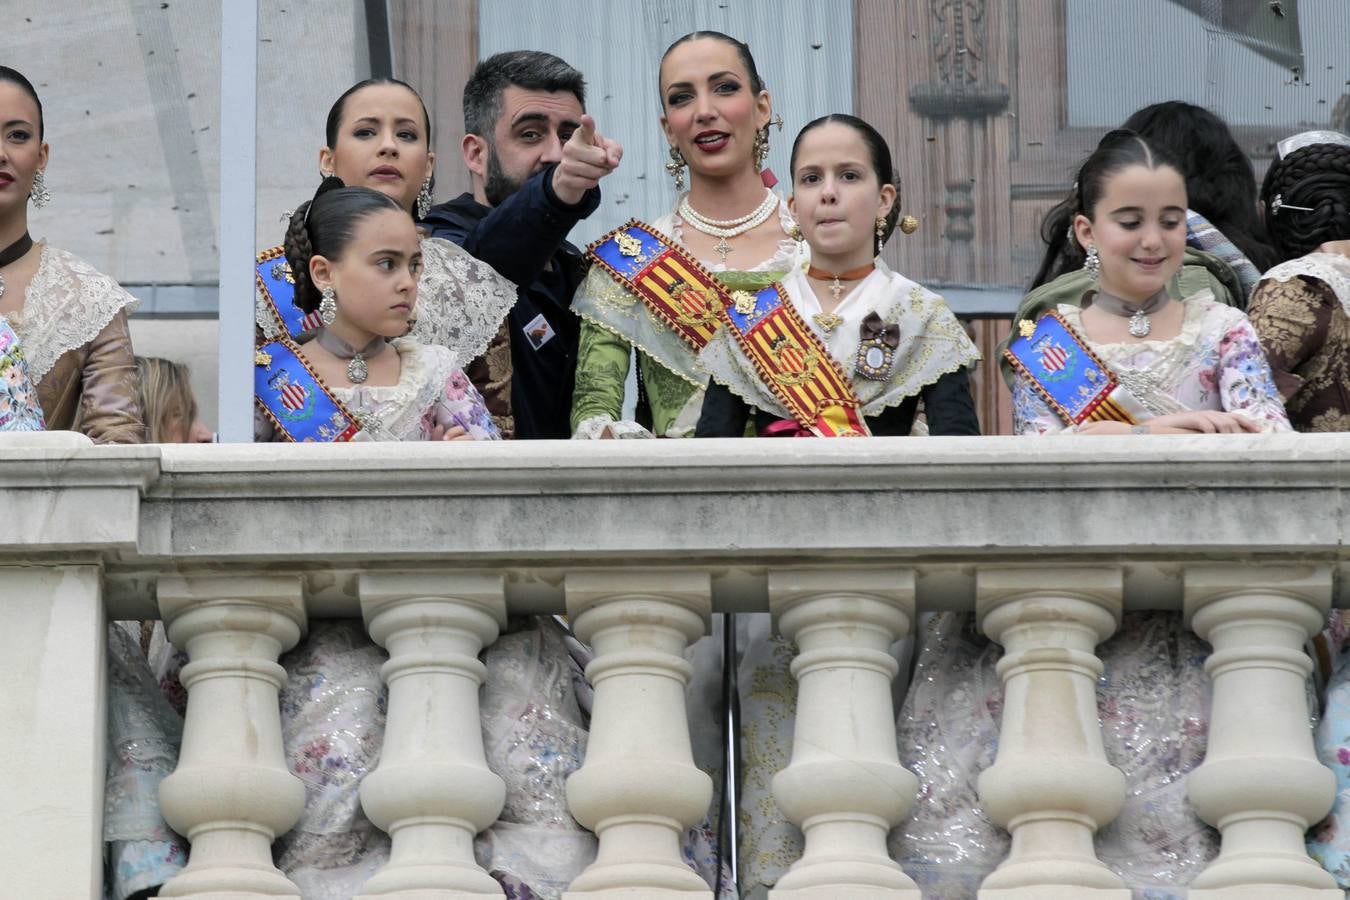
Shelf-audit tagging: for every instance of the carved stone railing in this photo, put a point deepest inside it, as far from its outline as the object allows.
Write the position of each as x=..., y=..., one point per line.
x=845, y=542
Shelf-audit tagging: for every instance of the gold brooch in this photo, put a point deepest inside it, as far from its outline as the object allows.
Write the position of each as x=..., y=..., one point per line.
x=262, y=358
x=1026, y=327
x=828, y=322
x=744, y=301
x=628, y=245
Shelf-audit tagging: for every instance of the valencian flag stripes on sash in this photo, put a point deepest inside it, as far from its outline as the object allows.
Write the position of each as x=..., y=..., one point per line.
x=672, y=284
x=1060, y=366
x=792, y=362
x=277, y=285
x=292, y=396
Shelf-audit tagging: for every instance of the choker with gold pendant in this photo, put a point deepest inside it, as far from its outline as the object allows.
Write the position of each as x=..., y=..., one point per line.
x=829, y=321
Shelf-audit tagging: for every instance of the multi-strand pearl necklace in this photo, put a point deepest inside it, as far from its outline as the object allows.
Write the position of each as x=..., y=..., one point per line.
x=729, y=228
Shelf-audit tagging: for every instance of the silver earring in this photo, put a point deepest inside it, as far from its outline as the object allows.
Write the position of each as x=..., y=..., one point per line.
x=1092, y=263
x=38, y=193
x=424, y=199
x=675, y=167
x=328, y=306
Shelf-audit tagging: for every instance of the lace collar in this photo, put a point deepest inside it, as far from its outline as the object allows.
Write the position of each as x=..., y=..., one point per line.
x=67, y=304
x=393, y=412
x=1332, y=269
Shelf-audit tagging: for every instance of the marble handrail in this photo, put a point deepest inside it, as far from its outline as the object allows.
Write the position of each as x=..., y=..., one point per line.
x=1048, y=540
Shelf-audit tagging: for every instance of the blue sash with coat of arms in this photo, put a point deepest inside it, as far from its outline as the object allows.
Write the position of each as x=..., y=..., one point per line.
x=1076, y=384
x=277, y=287
x=290, y=394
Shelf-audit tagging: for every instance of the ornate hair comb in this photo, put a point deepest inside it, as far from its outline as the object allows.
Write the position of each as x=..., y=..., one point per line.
x=1308, y=139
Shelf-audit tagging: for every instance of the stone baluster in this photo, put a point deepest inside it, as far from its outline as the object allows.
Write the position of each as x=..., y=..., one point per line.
x=1260, y=784
x=845, y=786
x=432, y=790
x=232, y=794
x=1050, y=785
x=638, y=789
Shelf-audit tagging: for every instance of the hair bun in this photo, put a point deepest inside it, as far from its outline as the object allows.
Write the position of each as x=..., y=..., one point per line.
x=329, y=183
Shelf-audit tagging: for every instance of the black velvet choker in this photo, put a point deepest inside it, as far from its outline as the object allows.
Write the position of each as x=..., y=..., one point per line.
x=13, y=252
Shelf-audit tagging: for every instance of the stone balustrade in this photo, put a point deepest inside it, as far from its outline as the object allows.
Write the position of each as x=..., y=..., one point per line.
x=238, y=548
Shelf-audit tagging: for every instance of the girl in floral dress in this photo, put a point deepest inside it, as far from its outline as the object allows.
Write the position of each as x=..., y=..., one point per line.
x=1197, y=367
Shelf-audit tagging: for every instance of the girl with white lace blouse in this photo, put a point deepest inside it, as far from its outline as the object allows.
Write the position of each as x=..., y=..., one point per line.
x=356, y=260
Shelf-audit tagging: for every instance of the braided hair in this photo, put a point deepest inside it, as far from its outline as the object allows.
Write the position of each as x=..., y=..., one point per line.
x=324, y=227
x=1119, y=149
x=1316, y=177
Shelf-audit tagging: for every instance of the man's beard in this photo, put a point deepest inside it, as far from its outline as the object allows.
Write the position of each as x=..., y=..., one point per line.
x=498, y=185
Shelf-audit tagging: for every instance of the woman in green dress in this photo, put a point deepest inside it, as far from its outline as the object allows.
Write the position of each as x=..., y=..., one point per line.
x=716, y=116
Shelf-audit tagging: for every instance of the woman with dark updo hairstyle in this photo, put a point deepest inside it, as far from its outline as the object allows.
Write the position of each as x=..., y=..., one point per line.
x=70, y=319
x=1300, y=307
x=716, y=114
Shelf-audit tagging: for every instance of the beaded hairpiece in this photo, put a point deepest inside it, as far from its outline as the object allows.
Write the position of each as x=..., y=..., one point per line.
x=1308, y=139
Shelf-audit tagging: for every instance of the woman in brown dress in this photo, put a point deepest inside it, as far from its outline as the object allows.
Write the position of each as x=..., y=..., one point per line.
x=71, y=319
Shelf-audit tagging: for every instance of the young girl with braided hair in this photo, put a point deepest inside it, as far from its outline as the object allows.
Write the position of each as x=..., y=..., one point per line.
x=1300, y=307
x=355, y=258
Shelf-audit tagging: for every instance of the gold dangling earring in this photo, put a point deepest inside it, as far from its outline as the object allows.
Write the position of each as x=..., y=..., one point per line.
x=795, y=232
x=881, y=233
x=676, y=167
x=908, y=224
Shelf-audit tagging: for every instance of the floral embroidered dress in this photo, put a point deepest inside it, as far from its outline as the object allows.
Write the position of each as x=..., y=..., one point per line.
x=1153, y=698
x=19, y=408
x=1301, y=309
x=613, y=323
x=144, y=731
x=1215, y=362
x=431, y=391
